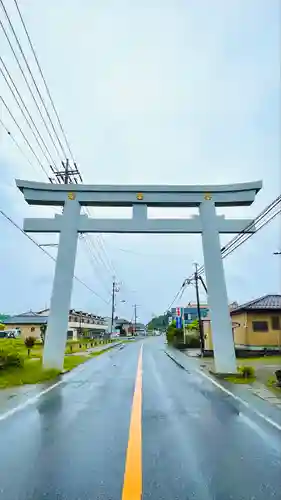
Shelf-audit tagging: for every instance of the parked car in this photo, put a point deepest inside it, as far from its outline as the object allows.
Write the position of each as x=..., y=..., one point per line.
x=14, y=333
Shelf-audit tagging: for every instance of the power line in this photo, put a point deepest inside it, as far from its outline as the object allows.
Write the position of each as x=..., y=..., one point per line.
x=244, y=235
x=16, y=143
x=92, y=257
x=238, y=240
x=24, y=136
x=31, y=74
x=9, y=219
x=29, y=88
x=49, y=159
x=44, y=80
x=106, y=263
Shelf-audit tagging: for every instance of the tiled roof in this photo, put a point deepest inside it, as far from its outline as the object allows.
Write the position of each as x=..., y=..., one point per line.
x=265, y=302
x=25, y=320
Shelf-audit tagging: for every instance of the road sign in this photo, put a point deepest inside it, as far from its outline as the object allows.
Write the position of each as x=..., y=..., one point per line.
x=178, y=322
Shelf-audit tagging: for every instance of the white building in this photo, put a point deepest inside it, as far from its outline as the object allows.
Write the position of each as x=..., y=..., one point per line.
x=83, y=323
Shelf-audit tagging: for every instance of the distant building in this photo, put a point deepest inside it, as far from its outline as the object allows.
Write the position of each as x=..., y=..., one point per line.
x=78, y=322
x=256, y=325
x=190, y=312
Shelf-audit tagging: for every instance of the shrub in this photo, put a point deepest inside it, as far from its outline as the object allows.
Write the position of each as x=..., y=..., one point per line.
x=193, y=341
x=10, y=358
x=247, y=371
x=29, y=343
x=170, y=334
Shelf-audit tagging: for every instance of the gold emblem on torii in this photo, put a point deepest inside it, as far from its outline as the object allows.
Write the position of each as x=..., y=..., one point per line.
x=207, y=196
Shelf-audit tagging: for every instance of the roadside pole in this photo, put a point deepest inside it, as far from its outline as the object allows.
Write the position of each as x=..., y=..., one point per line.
x=200, y=324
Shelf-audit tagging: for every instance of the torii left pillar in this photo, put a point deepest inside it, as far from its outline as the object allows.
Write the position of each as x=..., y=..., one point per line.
x=56, y=334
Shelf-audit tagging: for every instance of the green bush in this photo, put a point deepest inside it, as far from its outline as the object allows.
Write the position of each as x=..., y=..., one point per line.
x=192, y=341
x=29, y=343
x=10, y=358
x=247, y=371
x=170, y=334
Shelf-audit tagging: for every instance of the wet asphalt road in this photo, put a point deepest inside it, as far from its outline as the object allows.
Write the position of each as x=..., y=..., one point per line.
x=196, y=444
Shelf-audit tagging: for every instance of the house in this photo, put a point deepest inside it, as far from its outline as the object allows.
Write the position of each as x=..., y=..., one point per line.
x=29, y=323
x=256, y=326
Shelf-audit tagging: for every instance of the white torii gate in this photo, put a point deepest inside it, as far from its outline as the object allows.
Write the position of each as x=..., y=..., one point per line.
x=71, y=222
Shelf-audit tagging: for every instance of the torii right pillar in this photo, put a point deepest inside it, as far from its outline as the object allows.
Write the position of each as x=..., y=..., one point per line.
x=222, y=337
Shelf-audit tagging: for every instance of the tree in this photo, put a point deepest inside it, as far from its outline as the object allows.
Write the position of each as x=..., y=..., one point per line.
x=2, y=327
x=159, y=322
x=194, y=326
x=29, y=343
x=43, y=329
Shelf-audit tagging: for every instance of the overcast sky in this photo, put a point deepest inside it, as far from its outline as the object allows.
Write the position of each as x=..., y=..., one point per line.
x=149, y=91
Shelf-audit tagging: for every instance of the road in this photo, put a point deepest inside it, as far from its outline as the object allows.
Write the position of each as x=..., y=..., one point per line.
x=131, y=424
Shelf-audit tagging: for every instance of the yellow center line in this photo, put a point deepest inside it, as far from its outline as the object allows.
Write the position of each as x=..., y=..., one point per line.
x=132, y=486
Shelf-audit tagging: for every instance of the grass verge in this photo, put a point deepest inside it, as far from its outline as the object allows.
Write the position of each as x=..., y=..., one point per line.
x=31, y=373
x=240, y=380
x=71, y=362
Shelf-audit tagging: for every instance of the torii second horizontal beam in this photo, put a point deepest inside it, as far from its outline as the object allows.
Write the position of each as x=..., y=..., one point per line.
x=91, y=225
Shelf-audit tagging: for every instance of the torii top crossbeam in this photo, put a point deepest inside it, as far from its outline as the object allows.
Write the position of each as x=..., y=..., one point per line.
x=39, y=193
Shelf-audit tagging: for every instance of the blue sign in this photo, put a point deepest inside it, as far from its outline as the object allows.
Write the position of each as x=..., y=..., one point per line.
x=178, y=322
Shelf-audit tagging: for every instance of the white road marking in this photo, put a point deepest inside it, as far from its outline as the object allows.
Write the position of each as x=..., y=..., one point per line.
x=35, y=398
x=244, y=403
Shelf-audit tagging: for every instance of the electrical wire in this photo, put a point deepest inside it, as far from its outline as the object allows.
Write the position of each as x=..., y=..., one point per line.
x=49, y=158
x=92, y=258
x=240, y=237
x=237, y=241
x=9, y=219
x=25, y=108
x=32, y=77
x=24, y=136
x=44, y=80
x=16, y=143
x=105, y=261
x=29, y=87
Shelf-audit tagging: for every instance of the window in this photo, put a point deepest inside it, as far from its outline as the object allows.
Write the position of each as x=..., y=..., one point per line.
x=32, y=328
x=260, y=326
x=275, y=323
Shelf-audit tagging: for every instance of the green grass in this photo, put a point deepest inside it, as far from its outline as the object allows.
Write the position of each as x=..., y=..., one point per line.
x=71, y=362
x=31, y=373
x=267, y=360
x=19, y=346
x=240, y=380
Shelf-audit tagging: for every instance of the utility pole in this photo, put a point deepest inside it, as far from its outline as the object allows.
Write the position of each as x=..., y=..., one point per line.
x=112, y=305
x=135, y=319
x=200, y=324
x=66, y=176
x=115, y=289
